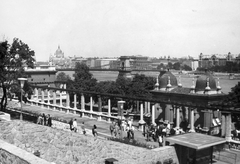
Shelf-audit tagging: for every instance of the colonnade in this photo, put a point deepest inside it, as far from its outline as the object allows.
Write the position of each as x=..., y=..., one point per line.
x=48, y=99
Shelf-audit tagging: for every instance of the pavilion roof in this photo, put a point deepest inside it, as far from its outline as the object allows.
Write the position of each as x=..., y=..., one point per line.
x=196, y=140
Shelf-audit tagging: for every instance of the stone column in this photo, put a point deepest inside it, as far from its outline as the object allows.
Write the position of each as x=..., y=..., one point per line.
x=223, y=125
x=137, y=106
x=82, y=104
x=192, y=129
x=48, y=93
x=153, y=115
x=145, y=107
x=48, y=98
x=54, y=100
x=228, y=127
x=99, y=104
x=36, y=93
x=167, y=112
x=67, y=102
x=207, y=122
x=42, y=98
x=75, y=103
x=171, y=114
x=60, y=94
x=109, y=110
x=141, y=122
x=91, y=106
x=177, y=117
x=149, y=107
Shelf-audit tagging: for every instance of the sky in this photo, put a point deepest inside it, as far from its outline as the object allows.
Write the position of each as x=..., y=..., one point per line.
x=113, y=28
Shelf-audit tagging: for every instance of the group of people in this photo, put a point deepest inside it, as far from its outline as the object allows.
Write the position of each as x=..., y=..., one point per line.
x=158, y=132
x=44, y=120
x=122, y=125
x=74, y=127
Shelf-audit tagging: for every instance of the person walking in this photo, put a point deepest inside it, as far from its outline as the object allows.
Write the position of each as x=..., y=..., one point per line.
x=44, y=119
x=112, y=127
x=75, y=125
x=40, y=120
x=49, y=122
x=71, y=124
x=83, y=128
x=94, y=131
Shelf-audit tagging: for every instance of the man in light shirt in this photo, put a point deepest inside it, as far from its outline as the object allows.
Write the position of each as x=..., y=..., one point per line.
x=75, y=125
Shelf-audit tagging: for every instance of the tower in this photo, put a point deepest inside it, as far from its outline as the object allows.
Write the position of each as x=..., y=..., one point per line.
x=125, y=67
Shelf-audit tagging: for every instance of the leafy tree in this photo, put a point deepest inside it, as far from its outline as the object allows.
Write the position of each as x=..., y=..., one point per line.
x=62, y=76
x=186, y=68
x=170, y=65
x=12, y=60
x=177, y=66
x=234, y=96
x=161, y=66
x=83, y=78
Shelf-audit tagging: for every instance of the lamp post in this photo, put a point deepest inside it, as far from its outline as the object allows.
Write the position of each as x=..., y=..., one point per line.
x=120, y=109
x=22, y=81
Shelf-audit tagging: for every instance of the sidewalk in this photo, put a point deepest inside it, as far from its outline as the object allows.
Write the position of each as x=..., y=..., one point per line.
x=102, y=126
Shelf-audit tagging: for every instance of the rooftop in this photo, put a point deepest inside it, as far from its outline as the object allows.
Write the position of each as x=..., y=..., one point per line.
x=196, y=140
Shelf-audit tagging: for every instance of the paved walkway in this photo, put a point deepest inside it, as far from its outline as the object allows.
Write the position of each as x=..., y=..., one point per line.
x=102, y=126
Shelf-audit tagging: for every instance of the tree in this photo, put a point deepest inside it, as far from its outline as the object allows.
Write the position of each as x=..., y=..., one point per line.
x=186, y=68
x=177, y=66
x=83, y=78
x=62, y=76
x=12, y=60
x=234, y=96
x=161, y=66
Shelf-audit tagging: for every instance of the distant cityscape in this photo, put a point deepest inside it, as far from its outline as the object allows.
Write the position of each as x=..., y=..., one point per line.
x=139, y=62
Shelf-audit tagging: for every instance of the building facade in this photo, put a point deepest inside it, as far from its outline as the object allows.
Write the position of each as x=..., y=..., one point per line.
x=207, y=61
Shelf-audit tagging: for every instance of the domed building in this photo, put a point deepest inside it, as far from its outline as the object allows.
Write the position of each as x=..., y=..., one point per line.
x=59, y=60
x=185, y=106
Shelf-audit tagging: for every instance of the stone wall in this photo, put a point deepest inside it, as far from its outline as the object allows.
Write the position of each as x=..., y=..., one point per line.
x=63, y=147
x=10, y=154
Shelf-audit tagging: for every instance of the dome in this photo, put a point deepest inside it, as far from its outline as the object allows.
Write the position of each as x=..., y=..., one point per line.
x=163, y=79
x=201, y=83
x=59, y=53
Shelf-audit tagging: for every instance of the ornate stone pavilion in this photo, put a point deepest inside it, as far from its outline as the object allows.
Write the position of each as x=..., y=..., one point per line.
x=188, y=106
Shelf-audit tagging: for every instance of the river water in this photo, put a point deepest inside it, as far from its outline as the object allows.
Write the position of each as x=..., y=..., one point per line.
x=186, y=80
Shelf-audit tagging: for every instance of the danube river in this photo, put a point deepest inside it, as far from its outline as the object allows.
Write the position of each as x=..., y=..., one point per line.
x=186, y=80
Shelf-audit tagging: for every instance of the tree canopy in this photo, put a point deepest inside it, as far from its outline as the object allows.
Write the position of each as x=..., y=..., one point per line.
x=234, y=96
x=84, y=79
x=13, y=59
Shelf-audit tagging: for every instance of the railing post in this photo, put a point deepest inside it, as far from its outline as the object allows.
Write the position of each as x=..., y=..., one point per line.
x=48, y=97
x=67, y=102
x=99, y=108
x=42, y=98
x=109, y=110
x=82, y=104
x=60, y=94
x=54, y=100
x=75, y=103
x=36, y=93
x=91, y=106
